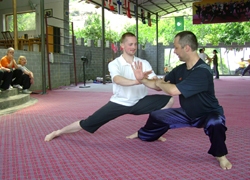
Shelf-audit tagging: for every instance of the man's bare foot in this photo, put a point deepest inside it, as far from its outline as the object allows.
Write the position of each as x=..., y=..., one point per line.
x=132, y=136
x=135, y=135
x=224, y=163
x=51, y=136
x=162, y=139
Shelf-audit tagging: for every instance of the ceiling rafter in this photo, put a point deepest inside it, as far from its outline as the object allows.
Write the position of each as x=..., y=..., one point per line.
x=171, y=4
x=160, y=7
x=157, y=6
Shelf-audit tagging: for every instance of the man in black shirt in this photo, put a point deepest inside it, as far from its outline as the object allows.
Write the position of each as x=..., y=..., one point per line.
x=193, y=82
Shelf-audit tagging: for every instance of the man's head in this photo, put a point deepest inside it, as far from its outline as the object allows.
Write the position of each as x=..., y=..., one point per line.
x=10, y=53
x=185, y=44
x=129, y=43
x=187, y=38
x=201, y=50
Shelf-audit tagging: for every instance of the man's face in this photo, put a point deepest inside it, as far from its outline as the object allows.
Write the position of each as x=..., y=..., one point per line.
x=129, y=45
x=178, y=50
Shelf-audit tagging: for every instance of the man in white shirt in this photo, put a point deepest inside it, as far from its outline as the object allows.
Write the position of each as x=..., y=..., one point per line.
x=129, y=95
x=202, y=55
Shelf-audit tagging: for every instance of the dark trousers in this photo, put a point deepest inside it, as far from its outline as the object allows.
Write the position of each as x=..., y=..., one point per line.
x=245, y=70
x=17, y=76
x=112, y=110
x=159, y=122
x=5, y=79
x=239, y=69
x=20, y=78
x=216, y=71
x=25, y=81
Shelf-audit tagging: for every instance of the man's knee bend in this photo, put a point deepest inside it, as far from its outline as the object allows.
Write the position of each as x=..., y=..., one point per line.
x=215, y=123
x=87, y=127
x=153, y=114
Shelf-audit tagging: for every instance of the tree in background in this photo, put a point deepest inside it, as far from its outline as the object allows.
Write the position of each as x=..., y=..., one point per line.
x=93, y=29
x=25, y=21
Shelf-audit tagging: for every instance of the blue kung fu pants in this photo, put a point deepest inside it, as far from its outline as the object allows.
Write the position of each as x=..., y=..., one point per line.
x=160, y=121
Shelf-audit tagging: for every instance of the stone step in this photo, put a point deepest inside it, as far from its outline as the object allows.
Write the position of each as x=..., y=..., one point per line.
x=11, y=101
x=19, y=107
x=8, y=93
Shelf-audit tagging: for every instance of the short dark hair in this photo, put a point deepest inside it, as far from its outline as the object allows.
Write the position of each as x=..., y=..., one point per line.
x=200, y=50
x=215, y=51
x=127, y=34
x=187, y=38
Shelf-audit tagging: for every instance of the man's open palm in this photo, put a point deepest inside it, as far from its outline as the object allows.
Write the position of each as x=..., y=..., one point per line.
x=139, y=74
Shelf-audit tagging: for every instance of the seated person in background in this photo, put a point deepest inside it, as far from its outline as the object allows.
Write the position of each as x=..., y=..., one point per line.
x=9, y=62
x=5, y=78
x=241, y=67
x=27, y=77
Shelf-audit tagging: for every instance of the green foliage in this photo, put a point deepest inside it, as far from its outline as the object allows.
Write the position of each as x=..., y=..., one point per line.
x=93, y=29
x=112, y=36
x=206, y=33
x=25, y=21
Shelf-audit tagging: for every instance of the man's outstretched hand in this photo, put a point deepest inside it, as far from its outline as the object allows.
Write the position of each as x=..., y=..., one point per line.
x=139, y=74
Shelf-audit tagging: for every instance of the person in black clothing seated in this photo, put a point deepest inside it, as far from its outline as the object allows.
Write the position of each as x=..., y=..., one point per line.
x=26, y=78
x=5, y=78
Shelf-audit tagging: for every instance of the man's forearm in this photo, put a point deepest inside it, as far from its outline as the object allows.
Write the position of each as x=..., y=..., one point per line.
x=168, y=88
x=124, y=81
x=150, y=83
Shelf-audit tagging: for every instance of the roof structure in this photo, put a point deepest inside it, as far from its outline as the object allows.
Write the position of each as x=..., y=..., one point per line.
x=155, y=7
x=164, y=7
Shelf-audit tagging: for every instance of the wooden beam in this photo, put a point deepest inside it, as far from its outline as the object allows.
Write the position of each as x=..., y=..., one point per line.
x=15, y=24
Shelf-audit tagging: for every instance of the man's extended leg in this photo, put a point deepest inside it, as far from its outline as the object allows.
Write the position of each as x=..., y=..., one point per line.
x=74, y=127
x=109, y=112
x=92, y=123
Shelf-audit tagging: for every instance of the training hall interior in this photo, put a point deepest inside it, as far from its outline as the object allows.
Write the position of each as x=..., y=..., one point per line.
x=62, y=95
